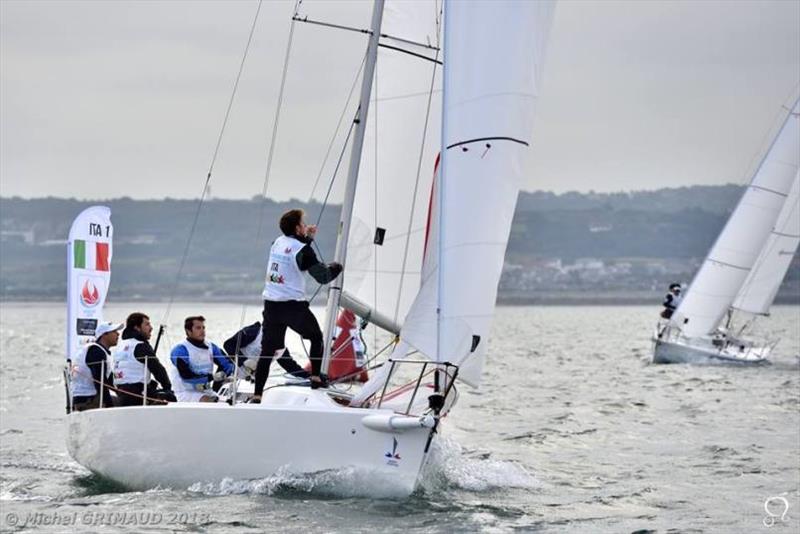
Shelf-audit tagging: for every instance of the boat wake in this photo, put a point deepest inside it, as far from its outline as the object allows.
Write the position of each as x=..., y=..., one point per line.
x=340, y=483
x=449, y=467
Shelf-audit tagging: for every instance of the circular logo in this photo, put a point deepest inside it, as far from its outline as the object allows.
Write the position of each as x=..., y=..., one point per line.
x=90, y=294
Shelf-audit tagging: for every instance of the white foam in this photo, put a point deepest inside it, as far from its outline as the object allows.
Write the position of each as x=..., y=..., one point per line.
x=344, y=482
x=450, y=467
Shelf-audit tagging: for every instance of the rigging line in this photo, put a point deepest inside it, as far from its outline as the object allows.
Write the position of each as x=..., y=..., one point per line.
x=338, y=164
x=327, y=194
x=327, y=154
x=414, y=197
x=776, y=125
x=365, y=31
x=338, y=125
x=211, y=166
x=410, y=53
x=427, y=46
x=272, y=143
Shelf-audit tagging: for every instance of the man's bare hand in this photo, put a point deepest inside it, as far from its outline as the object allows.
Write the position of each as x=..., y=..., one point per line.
x=311, y=230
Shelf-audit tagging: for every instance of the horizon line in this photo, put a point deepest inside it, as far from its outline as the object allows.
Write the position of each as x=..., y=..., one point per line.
x=312, y=201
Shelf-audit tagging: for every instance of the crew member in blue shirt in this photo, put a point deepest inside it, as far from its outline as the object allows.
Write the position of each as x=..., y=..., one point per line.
x=193, y=364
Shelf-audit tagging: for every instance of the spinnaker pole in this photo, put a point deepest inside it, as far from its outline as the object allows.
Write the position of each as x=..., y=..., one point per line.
x=335, y=289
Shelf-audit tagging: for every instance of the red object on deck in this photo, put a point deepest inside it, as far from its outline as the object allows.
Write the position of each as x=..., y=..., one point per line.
x=344, y=360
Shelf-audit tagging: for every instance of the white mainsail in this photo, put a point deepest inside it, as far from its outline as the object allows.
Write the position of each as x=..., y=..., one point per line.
x=493, y=55
x=396, y=172
x=730, y=260
x=762, y=284
x=88, y=274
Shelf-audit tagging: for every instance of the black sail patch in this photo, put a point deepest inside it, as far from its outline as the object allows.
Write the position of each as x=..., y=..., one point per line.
x=379, y=235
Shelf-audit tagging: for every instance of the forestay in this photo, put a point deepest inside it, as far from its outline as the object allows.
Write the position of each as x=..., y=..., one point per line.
x=493, y=55
x=739, y=244
x=88, y=274
x=759, y=289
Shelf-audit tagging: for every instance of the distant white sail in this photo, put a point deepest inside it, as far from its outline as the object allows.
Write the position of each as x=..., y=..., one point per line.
x=735, y=252
x=493, y=54
x=88, y=274
x=759, y=290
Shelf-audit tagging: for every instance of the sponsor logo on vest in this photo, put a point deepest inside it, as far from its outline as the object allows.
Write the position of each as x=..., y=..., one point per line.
x=276, y=278
x=287, y=250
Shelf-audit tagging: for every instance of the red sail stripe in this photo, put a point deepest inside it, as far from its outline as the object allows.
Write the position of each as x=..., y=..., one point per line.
x=430, y=208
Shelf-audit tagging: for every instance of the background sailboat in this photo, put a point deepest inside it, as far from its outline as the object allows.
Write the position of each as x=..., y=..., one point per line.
x=741, y=263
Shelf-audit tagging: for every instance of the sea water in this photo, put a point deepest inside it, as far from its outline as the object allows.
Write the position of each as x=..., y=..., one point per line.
x=573, y=430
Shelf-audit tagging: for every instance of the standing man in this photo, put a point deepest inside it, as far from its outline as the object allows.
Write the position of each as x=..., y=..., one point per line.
x=129, y=364
x=247, y=342
x=285, y=302
x=194, y=361
x=88, y=369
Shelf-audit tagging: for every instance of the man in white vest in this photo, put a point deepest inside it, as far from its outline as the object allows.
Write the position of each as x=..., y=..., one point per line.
x=285, y=302
x=91, y=368
x=134, y=359
x=193, y=360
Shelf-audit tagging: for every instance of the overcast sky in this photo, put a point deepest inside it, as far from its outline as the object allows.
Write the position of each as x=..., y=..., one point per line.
x=109, y=99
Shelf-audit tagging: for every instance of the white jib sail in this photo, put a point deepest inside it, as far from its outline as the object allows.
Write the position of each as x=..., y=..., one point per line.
x=384, y=252
x=735, y=252
x=88, y=274
x=762, y=284
x=493, y=54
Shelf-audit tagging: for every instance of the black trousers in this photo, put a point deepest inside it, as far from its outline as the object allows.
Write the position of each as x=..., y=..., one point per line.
x=286, y=361
x=278, y=316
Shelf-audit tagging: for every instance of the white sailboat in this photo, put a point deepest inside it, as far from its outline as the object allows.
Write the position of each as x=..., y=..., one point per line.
x=745, y=267
x=442, y=314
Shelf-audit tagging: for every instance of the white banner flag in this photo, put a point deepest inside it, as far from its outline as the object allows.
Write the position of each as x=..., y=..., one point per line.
x=88, y=274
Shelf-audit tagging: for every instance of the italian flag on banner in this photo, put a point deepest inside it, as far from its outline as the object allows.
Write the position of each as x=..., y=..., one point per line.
x=90, y=255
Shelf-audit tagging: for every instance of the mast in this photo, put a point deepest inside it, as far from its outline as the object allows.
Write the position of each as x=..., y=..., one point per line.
x=335, y=290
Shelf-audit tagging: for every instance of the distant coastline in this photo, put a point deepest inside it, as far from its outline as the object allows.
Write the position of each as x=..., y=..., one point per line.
x=567, y=298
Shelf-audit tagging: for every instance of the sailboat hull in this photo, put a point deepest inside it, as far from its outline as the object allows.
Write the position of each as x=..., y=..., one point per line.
x=181, y=444
x=706, y=350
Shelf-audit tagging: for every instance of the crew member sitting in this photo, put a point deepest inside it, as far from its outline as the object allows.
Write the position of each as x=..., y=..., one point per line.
x=89, y=366
x=194, y=361
x=671, y=301
x=247, y=342
x=129, y=365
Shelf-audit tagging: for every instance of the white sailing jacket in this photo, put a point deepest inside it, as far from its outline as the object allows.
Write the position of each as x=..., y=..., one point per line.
x=82, y=383
x=127, y=369
x=284, y=280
